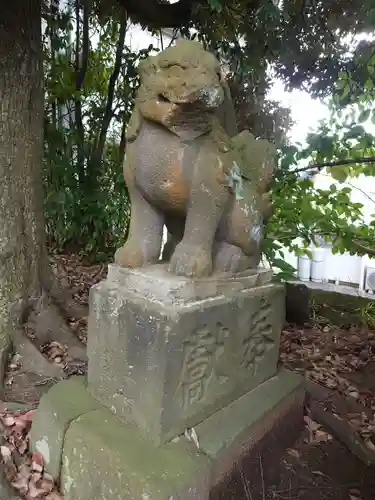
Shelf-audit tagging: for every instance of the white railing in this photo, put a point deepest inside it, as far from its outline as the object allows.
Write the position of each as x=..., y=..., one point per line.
x=324, y=266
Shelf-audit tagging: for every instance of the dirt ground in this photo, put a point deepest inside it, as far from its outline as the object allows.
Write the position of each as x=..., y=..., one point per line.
x=325, y=471
x=339, y=366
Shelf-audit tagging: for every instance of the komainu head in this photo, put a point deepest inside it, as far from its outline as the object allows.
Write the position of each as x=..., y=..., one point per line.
x=181, y=88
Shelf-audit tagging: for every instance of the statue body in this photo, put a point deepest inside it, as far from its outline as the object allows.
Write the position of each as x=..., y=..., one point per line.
x=184, y=169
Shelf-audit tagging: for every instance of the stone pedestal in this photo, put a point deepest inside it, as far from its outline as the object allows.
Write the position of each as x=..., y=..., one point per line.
x=167, y=352
x=171, y=359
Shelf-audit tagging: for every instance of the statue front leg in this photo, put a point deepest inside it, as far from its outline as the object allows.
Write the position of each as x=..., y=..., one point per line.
x=143, y=245
x=208, y=200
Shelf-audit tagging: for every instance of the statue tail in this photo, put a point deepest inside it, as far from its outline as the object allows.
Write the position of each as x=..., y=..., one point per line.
x=259, y=160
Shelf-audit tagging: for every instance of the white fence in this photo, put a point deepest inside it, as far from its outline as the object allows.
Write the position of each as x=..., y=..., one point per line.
x=344, y=268
x=325, y=266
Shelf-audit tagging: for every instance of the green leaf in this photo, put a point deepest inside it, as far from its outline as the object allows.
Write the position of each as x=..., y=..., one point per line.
x=338, y=173
x=369, y=84
x=340, y=84
x=345, y=92
x=283, y=266
x=355, y=132
x=364, y=116
x=216, y=5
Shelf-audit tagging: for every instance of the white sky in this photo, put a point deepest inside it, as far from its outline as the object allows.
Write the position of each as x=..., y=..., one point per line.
x=305, y=111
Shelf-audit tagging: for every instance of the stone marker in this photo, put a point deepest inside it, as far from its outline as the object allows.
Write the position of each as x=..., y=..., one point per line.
x=183, y=387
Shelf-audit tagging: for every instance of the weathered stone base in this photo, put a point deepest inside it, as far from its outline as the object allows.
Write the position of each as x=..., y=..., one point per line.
x=101, y=457
x=166, y=352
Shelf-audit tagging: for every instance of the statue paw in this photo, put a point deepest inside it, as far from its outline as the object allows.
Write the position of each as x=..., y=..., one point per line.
x=191, y=261
x=230, y=259
x=128, y=256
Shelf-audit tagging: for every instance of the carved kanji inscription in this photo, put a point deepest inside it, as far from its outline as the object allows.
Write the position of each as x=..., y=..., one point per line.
x=202, y=351
x=259, y=338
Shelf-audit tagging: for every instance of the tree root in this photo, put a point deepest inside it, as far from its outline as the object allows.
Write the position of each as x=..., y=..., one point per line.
x=44, y=319
x=49, y=325
x=63, y=298
x=333, y=417
x=32, y=360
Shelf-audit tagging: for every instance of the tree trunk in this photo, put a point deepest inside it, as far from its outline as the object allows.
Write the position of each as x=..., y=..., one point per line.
x=22, y=254
x=24, y=270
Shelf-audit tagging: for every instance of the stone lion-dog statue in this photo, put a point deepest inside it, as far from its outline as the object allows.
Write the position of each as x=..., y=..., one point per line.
x=186, y=167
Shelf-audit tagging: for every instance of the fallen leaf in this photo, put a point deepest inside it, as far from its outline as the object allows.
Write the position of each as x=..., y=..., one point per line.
x=191, y=435
x=311, y=424
x=27, y=416
x=370, y=445
x=53, y=496
x=8, y=420
x=37, y=462
x=293, y=452
x=38, y=486
x=354, y=394
x=21, y=482
x=194, y=437
x=10, y=471
x=322, y=436
x=15, y=362
x=6, y=454
x=319, y=473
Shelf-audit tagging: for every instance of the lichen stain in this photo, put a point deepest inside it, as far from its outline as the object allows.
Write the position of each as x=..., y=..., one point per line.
x=68, y=480
x=115, y=304
x=256, y=233
x=43, y=448
x=235, y=181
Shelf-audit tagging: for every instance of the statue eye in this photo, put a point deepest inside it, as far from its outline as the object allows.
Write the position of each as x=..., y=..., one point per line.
x=175, y=67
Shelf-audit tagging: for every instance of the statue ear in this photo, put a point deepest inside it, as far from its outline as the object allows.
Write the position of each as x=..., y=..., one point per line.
x=134, y=125
x=147, y=67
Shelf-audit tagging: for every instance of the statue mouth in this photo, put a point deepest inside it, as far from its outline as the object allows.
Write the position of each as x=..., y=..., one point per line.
x=177, y=100
x=209, y=99
x=163, y=98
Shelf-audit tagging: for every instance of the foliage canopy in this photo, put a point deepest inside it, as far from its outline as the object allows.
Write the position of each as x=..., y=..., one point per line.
x=309, y=45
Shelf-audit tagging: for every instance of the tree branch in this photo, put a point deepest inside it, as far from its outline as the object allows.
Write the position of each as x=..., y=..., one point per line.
x=82, y=59
x=81, y=62
x=158, y=14
x=122, y=146
x=363, y=248
x=338, y=163
x=108, y=112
